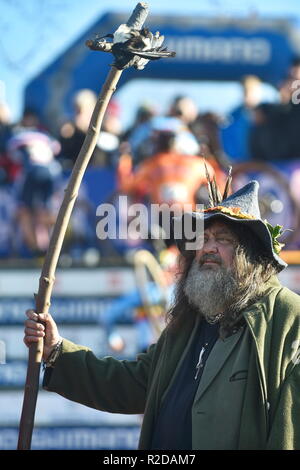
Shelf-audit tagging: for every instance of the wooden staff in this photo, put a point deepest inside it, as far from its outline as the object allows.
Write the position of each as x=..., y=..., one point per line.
x=43, y=297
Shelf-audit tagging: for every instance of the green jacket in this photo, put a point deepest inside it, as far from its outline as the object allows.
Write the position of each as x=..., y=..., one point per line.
x=249, y=393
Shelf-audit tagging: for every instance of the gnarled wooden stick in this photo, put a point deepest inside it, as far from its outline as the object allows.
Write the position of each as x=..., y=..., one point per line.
x=47, y=278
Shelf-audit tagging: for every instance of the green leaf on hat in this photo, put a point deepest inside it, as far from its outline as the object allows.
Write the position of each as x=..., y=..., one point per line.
x=276, y=232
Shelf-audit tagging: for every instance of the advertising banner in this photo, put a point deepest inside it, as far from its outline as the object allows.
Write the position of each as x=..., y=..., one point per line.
x=75, y=438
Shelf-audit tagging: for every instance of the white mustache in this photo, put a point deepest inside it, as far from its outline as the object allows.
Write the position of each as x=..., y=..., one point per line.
x=215, y=259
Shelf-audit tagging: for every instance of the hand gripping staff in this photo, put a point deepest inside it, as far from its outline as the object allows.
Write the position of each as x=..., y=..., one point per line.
x=131, y=45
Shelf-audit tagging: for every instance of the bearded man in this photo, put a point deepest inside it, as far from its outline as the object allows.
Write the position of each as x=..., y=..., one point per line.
x=225, y=372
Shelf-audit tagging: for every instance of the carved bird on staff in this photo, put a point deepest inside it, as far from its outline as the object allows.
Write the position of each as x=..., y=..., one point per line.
x=132, y=47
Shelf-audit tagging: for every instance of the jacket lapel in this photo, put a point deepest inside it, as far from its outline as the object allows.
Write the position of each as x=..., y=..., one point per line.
x=219, y=354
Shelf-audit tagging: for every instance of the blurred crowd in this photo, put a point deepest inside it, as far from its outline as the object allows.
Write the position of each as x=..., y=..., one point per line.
x=158, y=159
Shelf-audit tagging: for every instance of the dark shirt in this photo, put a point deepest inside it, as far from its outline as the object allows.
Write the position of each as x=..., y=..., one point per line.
x=173, y=428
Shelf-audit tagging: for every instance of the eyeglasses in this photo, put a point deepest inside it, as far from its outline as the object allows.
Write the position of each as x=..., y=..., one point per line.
x=220, y=239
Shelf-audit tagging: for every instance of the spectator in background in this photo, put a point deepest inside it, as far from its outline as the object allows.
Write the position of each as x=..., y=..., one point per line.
x=294, y=71
x=30, y=120
x=183, y=108
x=206, y=128
x=35, y=152
x=137, y=135
x=143, y=147
x=7, y=211
x=185, y=111
x=167, y=177
x=144, y=113
x=7, y=168
x=5, y=126
x=269, y=136
x=109, y=138
x=235, y=136
x=72, y=133
x=182, y=113
x=290, y=110
x=275, y=135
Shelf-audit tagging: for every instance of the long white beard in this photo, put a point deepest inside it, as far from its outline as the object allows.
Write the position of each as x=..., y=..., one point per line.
x=210, y=291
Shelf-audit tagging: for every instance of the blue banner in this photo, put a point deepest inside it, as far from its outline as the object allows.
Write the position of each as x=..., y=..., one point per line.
x=74, y=310
x=74, y=438
x=206, y=49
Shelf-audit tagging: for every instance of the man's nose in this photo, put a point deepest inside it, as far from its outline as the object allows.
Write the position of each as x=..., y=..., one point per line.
x=210, y=246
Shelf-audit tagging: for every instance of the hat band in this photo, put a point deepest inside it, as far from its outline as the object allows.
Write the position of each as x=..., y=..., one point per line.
x=233, y=211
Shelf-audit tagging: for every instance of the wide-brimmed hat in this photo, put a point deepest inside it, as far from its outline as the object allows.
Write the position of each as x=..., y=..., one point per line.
x=241, y=207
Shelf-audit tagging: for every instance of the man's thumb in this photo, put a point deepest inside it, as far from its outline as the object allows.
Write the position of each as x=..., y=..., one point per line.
x=45, y=317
